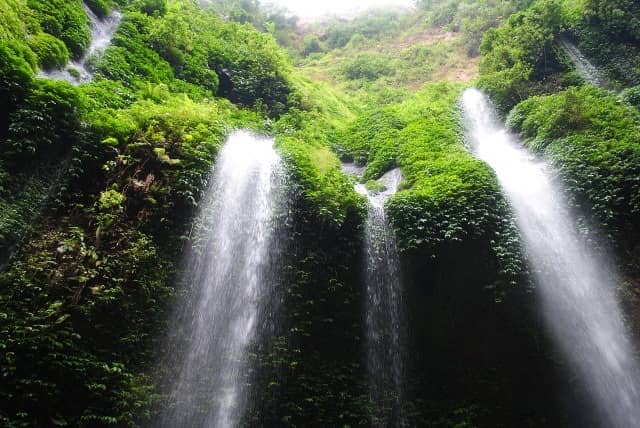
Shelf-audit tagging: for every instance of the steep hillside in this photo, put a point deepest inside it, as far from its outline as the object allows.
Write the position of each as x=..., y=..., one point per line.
x=101, y=179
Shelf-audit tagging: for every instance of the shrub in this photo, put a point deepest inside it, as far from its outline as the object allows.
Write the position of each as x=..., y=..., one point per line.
x=99, y=7
x=310, y=44
x=65, y=20
x=130, y=58
x=373, y=139
x=367, y=67
x=46, y=124
x=52, y=53
x=15, y=16
x=632, y=96
x=510, y=71
x=325, y=187
x=154, y=7
x=17, y=63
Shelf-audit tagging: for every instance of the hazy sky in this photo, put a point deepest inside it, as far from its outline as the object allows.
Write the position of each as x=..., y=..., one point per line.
x=315, y=8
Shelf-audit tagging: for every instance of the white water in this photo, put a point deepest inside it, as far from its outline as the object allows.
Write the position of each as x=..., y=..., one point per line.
x=102, y=32
x=577, y=290
x=383, y=305
x=232, y=280
x=589, y=72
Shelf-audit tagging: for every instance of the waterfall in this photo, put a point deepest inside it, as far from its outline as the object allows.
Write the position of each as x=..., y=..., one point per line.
x=576, y=288
x=102, y=32
x=231, y=276
x=383, y=305
x=589, y=72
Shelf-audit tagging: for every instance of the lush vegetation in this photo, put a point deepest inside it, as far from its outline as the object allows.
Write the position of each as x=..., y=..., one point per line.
x=537, y=64
x=589, y=134
x=471, y=18
x=99, y=183
x=593, y=140
x=608, y=32
x=95, y=273
x=447, y=196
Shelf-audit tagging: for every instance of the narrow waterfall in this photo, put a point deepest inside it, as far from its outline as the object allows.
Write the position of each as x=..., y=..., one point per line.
x=102, y=32
x=576, y=288
x=589, y=72
x=383, y=305
x=231, y=277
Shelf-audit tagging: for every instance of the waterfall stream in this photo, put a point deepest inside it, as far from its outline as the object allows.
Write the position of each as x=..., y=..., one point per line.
x=576, y=288
x=589, y=72
x=102, y=32
x=383, y=304
x=231, y=278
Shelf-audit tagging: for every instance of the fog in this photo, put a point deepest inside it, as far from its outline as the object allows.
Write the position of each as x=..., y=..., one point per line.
x=310, y=9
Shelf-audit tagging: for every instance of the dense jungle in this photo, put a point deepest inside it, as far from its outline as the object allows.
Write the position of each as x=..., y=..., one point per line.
x=223, y=213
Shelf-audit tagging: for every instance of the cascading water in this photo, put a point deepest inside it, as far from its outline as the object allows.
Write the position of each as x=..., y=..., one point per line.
x=102, y=32
x=383, y=305
x=584, y=67
x=231, y=275
x=576, y=288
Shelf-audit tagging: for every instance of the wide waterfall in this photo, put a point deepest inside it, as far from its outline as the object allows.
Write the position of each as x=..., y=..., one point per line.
x=383, y=305
x=584, y=67
x=576, y=288
x=102, y=31
x=231, y=278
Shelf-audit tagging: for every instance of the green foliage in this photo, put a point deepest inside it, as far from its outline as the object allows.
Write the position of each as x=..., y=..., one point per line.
x=471, y=17
x=199, y=48
x=304, y=138
x=594, y=141
x=317, y=172
x=301, y=378
x=154, y=7
x=105, y=94
x=59, y=302
x=510, y=71
x=98, y=184
x=310, y=44
x=373, y=140
x=382, y=67
x=66, y=20
x=281, y=25
x=96, y=282
x=452, y=195
x=447, y=196
x=15, y=20
x=52, y=53
x=21, y=198
x=111, y=199
x=99, y=7
x=371, y=26
x=608, y=31
x=129, y=58
x=46, y=124
x=257, y=75
x=333, y=107
x=367, y=67
x=16, y=74
x=632, y=96
x=374, y=186
x=620, y=19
